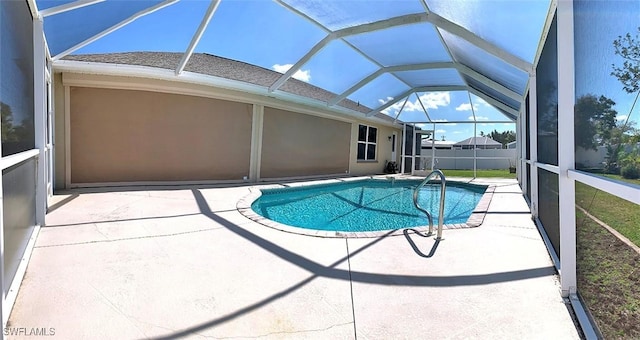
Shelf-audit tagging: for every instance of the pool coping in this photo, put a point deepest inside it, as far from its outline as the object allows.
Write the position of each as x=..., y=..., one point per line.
x=244, y=207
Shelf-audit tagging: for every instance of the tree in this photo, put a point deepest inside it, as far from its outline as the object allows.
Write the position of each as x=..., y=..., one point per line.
x=504, y=137
x=594, y=120
x=628, y=74
x=621, y=134
x=627, y=47
x=7, y=122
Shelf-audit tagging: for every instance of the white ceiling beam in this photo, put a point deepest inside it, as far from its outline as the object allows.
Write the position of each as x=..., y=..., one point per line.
x=402, y=20
x=425, y=6
x=213, y=6
x=471, y=37
x=545, y=30
x=428, y=16
x=335, y=100
x=373, y=61
x=446, y=47
x=33, y=8
x=296, y=67
x=401, y=108
x=462, y=122
x=490, y=83
x=345, y=32
x=473, y=110
x=413, y=90
x=461, y=68
x=67, y=7
x=317, y=24
x=444, y=43
x=421, y=66
x=391, y=102
x=114, y=28
x=424, y=108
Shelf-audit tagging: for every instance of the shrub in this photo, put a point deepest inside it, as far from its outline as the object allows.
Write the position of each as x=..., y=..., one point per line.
x=630, y=171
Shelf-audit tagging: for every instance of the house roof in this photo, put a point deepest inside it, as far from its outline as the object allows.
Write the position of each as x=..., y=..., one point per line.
x=429, y=142
x=477, y=141
x=211, y=65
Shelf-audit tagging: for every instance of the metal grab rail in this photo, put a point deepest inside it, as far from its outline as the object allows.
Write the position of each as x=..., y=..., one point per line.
x=416, y=191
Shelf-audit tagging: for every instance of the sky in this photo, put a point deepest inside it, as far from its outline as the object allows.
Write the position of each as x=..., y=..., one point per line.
x=246, y=30
x=598, y=24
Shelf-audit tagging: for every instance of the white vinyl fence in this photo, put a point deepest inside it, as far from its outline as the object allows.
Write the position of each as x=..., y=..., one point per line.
x=463, y=159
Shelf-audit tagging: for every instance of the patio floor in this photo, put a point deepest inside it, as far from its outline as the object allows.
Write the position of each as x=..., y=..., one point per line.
x=167, y=263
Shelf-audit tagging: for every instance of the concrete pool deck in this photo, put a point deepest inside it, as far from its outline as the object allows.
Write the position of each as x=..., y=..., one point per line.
x=182, y=262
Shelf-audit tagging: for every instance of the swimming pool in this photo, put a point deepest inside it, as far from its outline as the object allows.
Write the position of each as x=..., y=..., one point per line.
x=364, y=205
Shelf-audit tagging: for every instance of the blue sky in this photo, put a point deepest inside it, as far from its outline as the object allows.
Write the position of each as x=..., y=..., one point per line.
x=246, y=30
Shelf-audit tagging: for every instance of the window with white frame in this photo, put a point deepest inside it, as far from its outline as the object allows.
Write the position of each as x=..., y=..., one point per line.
x=367, y=139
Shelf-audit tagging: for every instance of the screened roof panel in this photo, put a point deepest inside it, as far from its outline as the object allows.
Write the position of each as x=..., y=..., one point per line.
x=65, y=30
x=411, y=112
x=255, y=37
x=268, y=36
x=338, y=14
x=151, y=33
x=400, y=45
x=503, y=26
x=379, y=91
x=46, y=4
x=485, y=111
x=485, y=63
x=337, y=67
x=413, y=117
x=431, y=77
x=492, y=93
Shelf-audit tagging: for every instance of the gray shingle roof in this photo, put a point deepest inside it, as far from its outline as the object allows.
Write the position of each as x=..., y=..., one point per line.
x=208, y=64
x=478, y=141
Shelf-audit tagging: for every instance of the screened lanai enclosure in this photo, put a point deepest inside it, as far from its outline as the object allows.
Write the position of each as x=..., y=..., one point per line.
x=99, y=93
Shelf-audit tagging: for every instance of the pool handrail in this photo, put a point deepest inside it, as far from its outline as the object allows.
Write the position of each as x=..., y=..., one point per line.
x=416, y=191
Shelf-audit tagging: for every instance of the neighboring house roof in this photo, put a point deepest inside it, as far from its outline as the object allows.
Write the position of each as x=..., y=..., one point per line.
x=478, y=141
x=428, y=142
x=212, y=65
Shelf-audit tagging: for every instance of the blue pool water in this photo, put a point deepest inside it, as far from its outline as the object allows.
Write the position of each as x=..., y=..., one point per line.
x=368, y=205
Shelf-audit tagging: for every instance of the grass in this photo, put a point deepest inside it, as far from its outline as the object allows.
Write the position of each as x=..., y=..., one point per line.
x=491, y=173
x=608, y=280
x=620, y=178
x=616, y=212
x=608, y=269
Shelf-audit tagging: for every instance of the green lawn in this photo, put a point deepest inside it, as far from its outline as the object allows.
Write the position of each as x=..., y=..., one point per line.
x=608, y=269
x=618, y=213
x=492, y=173
x=608, y=280
x=620, y=178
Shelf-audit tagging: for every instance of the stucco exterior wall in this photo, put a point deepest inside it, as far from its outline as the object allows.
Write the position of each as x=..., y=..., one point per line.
x=128, y=136
x=296, y=144
x=137, y=129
